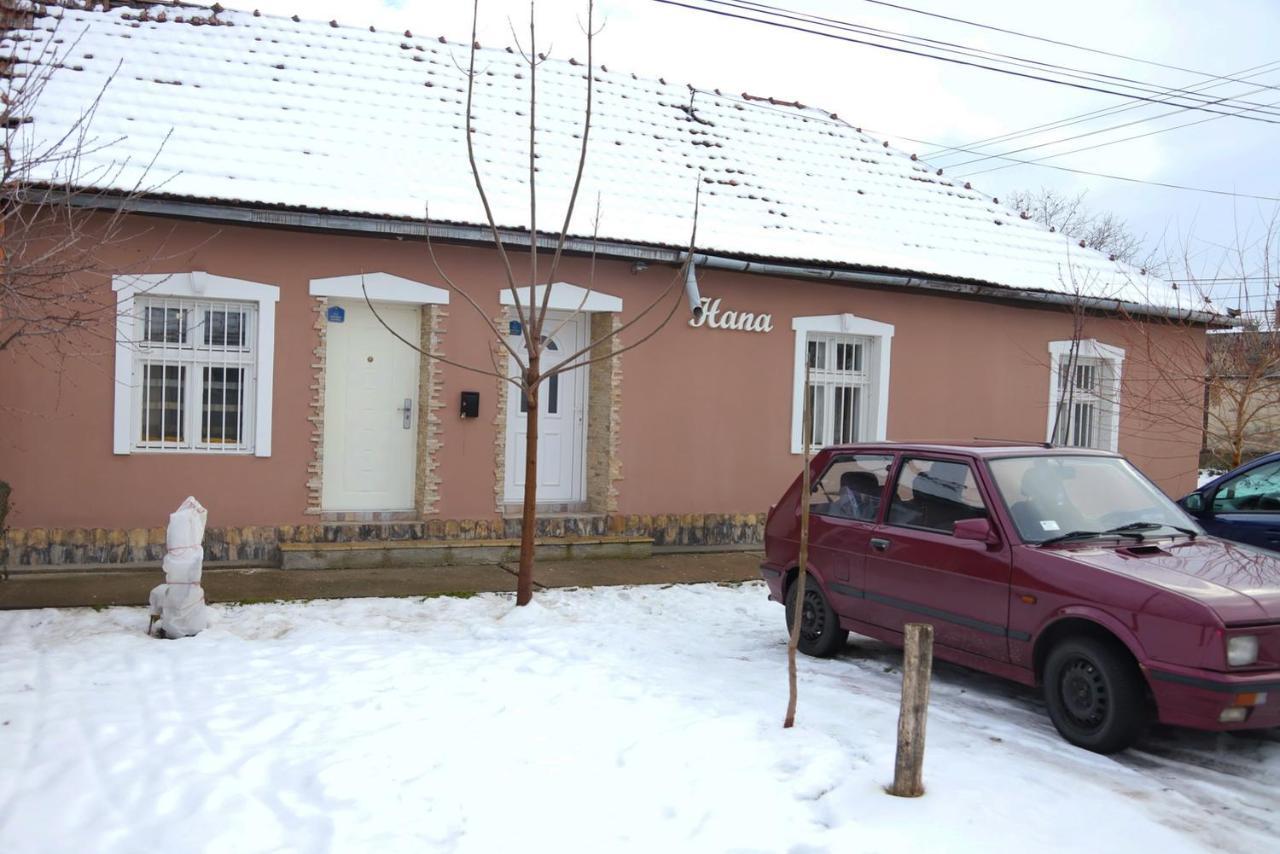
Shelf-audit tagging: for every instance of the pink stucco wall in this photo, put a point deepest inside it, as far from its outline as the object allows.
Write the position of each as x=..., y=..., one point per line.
x=705, y=418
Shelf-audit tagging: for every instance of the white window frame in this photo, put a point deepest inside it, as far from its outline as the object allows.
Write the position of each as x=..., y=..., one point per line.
x=1091, y=349
x=879, y=339
x=195, y=285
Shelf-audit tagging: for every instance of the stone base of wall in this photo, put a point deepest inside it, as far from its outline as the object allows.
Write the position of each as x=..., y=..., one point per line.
x=69, y=546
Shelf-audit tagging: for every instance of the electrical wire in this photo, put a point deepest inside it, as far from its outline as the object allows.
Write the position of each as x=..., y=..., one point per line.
x=1082, y=148
x=1047, y=40
x=1055, y=166
x=1081, y=119
x=1147, y=90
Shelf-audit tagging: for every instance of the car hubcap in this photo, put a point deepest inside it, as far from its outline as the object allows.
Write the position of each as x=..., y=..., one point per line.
x=1084, y=694
x=813, y=617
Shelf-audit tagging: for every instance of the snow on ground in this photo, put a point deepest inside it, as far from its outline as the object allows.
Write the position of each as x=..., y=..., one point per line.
x=617, y=719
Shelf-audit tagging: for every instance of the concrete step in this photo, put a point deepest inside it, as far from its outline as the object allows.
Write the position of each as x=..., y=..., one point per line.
x=405, y=553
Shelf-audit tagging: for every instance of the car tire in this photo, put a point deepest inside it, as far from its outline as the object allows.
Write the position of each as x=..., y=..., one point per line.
x=820, y=632
x=1095, y=694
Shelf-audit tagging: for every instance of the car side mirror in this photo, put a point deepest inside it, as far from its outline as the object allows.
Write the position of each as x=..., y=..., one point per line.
x=979, y=530
x=1193, y=503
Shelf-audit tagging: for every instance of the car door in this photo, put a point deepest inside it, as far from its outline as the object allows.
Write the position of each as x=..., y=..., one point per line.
x=918, y=571
x=1246, y=508
x=844, y=508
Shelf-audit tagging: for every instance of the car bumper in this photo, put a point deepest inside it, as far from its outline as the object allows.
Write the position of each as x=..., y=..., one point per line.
x=772, y=576
x=1201, y=698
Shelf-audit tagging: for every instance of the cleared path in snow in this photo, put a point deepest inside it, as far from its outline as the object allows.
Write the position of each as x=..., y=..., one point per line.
x=618, y=719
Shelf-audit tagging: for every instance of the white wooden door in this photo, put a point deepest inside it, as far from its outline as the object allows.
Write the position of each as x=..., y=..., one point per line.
x=562, y=421
x=371, y=408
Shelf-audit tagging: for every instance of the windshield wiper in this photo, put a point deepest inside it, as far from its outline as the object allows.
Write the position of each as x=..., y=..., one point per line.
x=1148, y=526
x=1084, y=535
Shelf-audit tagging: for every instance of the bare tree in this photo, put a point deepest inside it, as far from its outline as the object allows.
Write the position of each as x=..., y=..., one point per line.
x=1069, y=215
x=56, y=241
x=1242, y=389
x=1208, y=366
x=532, y=311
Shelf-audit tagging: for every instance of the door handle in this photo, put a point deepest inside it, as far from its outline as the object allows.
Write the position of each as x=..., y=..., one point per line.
x=879, y=544
x=407, y=412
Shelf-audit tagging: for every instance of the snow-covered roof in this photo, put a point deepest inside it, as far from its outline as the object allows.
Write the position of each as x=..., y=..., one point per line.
x=314, y=115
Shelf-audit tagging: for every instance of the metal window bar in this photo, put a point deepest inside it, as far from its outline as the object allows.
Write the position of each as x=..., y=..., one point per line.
x=839, y=384
x=199, y=357
x=1087, y=418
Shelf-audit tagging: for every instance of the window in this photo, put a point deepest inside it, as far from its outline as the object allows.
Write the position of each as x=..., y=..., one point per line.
x=1255, y=491
x=838, y=388
x=1048, y=496
x=1084, y=394
x=194, y=356
x=852, y=488
x=934, y=495
x=552, y=390
x=197, y=364
x=848, y=359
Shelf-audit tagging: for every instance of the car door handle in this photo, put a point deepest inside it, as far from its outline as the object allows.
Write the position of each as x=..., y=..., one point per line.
x=879, y=544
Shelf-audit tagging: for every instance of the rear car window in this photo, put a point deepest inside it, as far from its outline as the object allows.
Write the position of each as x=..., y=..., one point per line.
x=852, y=487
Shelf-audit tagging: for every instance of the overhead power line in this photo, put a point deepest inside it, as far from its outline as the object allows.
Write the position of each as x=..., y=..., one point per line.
x=1082, y=148
x=1091, y=82
x=1212, y=81
x=1047, y=40
x=882, y=133
x=1092, y=115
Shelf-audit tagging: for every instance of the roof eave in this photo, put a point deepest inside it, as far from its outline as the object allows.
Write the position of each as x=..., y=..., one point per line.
x=467, y=233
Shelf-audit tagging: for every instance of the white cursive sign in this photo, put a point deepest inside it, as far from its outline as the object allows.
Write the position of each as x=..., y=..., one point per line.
x=743, y=320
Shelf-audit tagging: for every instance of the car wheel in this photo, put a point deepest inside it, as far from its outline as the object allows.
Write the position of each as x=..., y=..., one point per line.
x=820, y=632
x=1095, y=695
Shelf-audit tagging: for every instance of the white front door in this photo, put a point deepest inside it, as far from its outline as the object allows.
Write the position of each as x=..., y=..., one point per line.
x=562, y=419
x=370, y=407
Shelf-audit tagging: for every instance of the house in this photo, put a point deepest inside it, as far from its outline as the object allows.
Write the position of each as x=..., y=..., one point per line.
x=289, y=167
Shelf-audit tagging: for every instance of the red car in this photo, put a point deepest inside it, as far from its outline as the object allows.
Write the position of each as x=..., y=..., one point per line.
x=1055, y=567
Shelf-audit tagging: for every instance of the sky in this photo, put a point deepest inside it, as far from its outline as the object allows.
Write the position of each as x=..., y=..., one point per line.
x=924, y=105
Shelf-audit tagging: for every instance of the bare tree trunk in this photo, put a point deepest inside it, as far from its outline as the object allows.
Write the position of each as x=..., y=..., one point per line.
x=529, y=512
x=797, y=617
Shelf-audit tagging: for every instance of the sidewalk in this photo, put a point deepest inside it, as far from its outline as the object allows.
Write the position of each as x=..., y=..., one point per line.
x=55, y=589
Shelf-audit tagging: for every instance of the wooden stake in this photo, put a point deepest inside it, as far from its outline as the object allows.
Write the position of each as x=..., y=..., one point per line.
x=806, y=427
x=917, y=666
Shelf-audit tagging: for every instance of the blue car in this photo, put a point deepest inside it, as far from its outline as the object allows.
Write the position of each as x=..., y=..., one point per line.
x=1241, y=505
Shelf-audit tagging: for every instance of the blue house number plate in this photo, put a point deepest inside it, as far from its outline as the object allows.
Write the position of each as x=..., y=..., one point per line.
x=336, y=314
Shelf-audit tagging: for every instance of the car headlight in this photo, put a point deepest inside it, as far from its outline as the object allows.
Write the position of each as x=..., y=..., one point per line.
x=1242, y=650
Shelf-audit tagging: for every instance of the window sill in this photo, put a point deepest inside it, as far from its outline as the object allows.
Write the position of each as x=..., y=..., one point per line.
x=188, y=452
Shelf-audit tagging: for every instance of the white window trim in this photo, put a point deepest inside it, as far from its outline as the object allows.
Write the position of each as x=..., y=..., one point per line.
x=381, y=287
x=881, y=335
x=1088, y=348
x=564, y=297
x=193, y=285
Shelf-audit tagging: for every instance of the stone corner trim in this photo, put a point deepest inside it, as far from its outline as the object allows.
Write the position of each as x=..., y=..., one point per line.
x=430, y=443
x=315, y=468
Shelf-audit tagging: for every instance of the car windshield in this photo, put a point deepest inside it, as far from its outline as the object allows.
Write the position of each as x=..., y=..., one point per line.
x=1051, y=497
